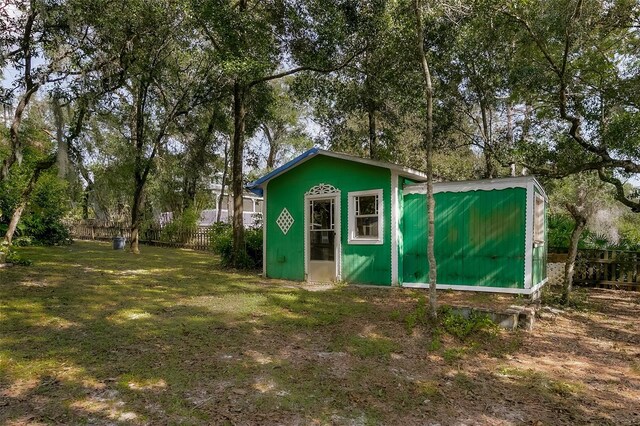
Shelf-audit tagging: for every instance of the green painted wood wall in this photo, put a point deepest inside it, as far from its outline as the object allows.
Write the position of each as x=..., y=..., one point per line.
x=479, y=238
x=364, y=264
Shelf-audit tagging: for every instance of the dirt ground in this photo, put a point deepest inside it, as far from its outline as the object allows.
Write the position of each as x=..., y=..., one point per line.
x=93, y=336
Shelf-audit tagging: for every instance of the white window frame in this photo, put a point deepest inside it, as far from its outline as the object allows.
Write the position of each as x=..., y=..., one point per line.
x=352, y=217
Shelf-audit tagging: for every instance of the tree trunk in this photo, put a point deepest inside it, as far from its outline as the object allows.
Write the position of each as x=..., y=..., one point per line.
x=225, y=171
x=431, y=204
x=85, y=200
x=580, y=221
x=15, y=219
x=189, y=191
x=135, y=218
x=490, y=170
x=24, y=197
x=63, y=151
x=273, y=148
x=371, y=113
x=138, y=133
x=509, y=135
x=239, y=112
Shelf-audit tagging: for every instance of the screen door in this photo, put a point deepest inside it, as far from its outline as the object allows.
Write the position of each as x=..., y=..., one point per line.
x=322, y=240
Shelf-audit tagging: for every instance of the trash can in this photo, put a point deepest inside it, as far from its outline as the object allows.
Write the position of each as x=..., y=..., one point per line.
x=118, y=243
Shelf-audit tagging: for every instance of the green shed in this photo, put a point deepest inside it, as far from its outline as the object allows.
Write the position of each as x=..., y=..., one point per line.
x=334, y=217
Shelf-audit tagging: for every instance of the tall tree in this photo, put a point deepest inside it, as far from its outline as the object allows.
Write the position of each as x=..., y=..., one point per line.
x=428, y=139
x=247, y=38
x=167, y=75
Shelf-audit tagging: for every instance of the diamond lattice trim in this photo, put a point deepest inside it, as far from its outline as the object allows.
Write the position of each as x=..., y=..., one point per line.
x=284, y=221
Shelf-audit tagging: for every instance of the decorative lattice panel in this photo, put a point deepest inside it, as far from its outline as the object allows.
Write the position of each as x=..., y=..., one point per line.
x=284, y=221
x=323, y=188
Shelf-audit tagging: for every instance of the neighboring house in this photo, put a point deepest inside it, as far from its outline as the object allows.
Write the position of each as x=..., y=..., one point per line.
x=251, y=203
x=251, y=206
x=335, y=217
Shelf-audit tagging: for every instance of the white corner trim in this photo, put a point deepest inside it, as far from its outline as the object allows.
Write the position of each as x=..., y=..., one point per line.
x=537, y=185
x=264, y=232
x=337, y=223
x=395, y=225
x=473, y=185
x=528, y=240
x=351, y=217
x=305, y=239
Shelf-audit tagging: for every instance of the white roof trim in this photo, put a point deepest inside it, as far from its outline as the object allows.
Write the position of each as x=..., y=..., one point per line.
x=475, y=185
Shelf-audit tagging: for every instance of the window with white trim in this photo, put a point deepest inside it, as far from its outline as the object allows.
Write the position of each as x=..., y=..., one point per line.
x=365, y=217
x=538, y=220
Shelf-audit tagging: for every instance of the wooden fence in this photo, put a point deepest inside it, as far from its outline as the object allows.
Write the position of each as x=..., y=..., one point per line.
x=608, y=269
x=197, y=239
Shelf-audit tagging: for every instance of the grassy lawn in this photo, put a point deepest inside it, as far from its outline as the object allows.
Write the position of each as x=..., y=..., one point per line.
x=89, y=335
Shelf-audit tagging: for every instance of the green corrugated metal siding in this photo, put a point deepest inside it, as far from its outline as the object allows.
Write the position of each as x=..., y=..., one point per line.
x=414, y=225
x=365, y=264
x=480, y=238
x=539, y=267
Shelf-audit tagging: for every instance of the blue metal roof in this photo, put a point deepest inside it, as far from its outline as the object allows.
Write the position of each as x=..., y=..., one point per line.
x=255, y=185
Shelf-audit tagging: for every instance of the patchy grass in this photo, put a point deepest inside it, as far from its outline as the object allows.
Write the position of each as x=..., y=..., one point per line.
x=89, y=335
x=541, y=383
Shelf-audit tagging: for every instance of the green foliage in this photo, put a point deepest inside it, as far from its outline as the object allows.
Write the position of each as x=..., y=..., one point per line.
x=9, y=255
x=561, y=226
x=43, y=219
x=180, y=227
x=452, y=355
x=461, y=327
x=221, y=238
x=418, y=315
x=368, y=347
x=629, y=229
x=22, y=241
x=559, y=231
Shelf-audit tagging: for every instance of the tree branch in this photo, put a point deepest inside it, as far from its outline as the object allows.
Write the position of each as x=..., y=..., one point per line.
x=305, y=68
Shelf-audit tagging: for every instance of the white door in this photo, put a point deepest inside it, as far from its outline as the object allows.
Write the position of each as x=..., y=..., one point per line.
x=322, y=244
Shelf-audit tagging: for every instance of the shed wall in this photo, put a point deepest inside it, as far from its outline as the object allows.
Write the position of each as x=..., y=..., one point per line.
x=480, y=238
x=364, y=264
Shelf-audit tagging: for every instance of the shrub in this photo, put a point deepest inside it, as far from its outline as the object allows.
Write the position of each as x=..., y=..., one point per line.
x=461, y=327
x=221, y=239
x=7, y=254
x=180, y=227
x=43, y=219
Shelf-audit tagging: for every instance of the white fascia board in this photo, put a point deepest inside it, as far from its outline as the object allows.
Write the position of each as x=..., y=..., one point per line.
x=471, y=185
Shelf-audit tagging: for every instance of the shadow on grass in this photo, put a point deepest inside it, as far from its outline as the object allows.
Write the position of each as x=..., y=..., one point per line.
x=91, y=335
